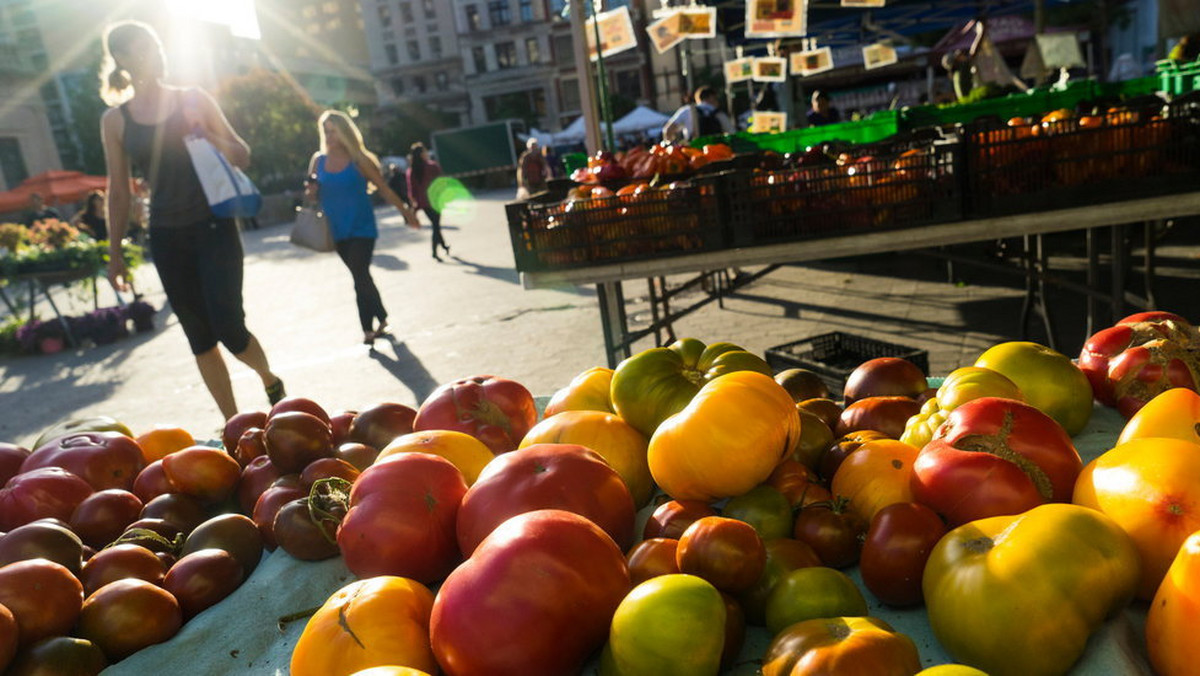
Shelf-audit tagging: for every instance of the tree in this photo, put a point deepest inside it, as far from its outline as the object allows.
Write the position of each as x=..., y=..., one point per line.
x=83, y=97
x=397, y=127
x=278, y=121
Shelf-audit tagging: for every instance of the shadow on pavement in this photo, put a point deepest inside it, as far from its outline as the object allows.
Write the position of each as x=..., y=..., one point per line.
x=503, y=274
x=388, y=262
x=407, y=368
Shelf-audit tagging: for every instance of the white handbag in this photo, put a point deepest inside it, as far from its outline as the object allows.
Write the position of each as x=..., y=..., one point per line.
x=230, y=193
x=311, y=230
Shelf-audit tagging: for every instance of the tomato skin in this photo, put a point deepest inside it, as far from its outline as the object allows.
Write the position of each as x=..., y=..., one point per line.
x=378, y=621
x=994, y=457
x=8, y=637
x=486, y=620
x=766, y=509
x=726, y=552
x=652, y=558
x=125, y=616
x=43, y=596
x=615, y=440
x=588, y=391
x=833, y=532
x=1117, y=360
x=876, y=475
x=841, y=645
x=1049, y=381
x=1174, y=612
x=783, y=556
x=673, y=625
x=497, y=411
x=203, y=472
x=1173, y=414
x=810, y=593
x=798, y=483
x=103, y=459
x=47, y=492
x=897, y=545
x=842, y=447
x=672, y=517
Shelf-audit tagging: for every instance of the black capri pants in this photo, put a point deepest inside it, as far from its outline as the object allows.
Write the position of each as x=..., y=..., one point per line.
x=200, y=266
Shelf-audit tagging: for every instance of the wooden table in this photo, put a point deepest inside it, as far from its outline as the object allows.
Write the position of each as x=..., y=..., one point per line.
x=1031, y=227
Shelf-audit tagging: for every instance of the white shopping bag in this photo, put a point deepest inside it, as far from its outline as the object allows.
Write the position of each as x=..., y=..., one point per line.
x=230, y=193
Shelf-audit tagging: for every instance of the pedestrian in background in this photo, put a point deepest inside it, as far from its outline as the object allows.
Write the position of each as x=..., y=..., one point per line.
x=90, y=218
x=702, y=116
x=531, y=170
x=822, y=112
x=345, y=174
x=198, y=256
x=38, y=211
x=421, y=173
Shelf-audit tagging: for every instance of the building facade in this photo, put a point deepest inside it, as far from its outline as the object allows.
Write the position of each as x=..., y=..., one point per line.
x=27, y=144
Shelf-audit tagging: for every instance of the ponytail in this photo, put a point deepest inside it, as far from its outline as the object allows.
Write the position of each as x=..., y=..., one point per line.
x=115, y=83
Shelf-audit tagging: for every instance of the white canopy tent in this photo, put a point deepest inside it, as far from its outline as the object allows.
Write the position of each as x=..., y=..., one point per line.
x=640, y=119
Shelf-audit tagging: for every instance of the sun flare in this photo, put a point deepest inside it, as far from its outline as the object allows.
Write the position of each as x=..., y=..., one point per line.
x=239, y=15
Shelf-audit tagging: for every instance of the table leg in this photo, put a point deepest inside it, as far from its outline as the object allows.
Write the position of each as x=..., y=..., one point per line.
x=12, y=307
x=61, y=320
x=1093, y=278
x=1152, y=228
x=653, y=291
x=1027, y=304
x=1043, y=307
x=613, y=322
x=1119, y=256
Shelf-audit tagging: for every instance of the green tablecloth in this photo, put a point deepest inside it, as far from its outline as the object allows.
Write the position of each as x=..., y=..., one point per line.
x=242, y=634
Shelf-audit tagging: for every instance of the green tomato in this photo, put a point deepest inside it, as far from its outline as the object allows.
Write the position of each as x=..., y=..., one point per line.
x=1049, y=381
x=100, y=423
x=765, y=509
x=670, y=625
x=813, y=593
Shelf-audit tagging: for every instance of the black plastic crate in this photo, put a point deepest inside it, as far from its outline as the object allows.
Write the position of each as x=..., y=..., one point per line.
x=882, y=192
x=833, y=356
x=660, y=222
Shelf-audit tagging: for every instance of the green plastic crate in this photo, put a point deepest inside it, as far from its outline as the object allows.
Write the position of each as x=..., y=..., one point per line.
x=1178, y=78
x=573, y=161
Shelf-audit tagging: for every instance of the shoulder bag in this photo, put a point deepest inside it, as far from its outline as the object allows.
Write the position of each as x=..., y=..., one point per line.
x=311, y=230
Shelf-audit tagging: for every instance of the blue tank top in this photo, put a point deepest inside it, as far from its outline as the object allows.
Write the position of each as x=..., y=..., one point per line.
x=345, y=202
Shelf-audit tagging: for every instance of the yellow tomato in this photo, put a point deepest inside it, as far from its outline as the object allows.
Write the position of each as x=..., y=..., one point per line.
x=464, y=451
x=1048, y=379
x=588, y=391
x=876, y=475
x=1175, y=614
x=1173, y=414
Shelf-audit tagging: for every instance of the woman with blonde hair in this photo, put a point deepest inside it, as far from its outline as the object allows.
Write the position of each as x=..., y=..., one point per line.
x=342, y=174
x=198, y=256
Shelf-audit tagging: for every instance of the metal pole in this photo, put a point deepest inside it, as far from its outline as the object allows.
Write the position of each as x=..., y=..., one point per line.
x=1039, y=16
x=583, y=71
x=605, y=104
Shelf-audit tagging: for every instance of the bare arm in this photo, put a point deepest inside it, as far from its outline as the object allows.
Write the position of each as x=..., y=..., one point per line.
x=217, y=127
x=112, y=132
x=372, y=174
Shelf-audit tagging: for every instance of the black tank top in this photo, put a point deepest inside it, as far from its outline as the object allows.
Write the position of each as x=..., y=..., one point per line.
x=159, y=153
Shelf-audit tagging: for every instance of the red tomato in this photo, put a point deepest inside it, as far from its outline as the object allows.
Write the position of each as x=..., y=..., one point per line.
x=833, y=531
x=651, y=558
x=497, y=411
x=672, y=517
x=43, y=596
x=886, y=415
x=103, y=459
x=726, y=552
x=47, y=492
x=898, y=544
x=203, y=472
x=995, y=457
x=1137, y=358
x=546, y=476
x=119, y=562
x=257, y=476
x=125, y=616
x=8, y=637
x=11, y=457
x=402, y=518
x=152, y=482
x=202, y=578
x=842, y=447
x=536, y=597
x=798, y=483
x=103, y=515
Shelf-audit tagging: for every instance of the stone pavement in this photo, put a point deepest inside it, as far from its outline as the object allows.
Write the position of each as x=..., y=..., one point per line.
x=471, y=316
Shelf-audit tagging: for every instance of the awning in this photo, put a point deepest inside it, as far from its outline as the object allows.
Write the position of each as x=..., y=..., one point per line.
x=56, y=187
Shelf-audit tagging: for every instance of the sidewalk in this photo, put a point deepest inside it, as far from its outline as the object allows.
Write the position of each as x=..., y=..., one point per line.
x=470, y=316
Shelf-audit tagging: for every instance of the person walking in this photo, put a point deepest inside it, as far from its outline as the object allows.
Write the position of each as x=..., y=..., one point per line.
x=531, y=170
x=345, y=174
x=198, y=256
x=421, y=173
x=700, y=117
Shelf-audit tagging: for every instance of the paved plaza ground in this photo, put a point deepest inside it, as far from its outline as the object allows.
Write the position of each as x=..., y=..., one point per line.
x=470, y=315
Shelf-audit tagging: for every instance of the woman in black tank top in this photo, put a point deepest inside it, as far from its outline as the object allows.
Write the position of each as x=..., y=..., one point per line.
x=198, y=256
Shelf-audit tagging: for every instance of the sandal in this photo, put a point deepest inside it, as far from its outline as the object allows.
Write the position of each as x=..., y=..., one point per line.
x=369, y=337
x=275, y=391
x=383, y=330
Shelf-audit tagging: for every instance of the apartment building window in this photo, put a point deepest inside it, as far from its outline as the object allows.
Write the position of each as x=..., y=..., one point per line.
x=430, y=9
x=568, y=99
x=533, y=50
x=11, y=161
x=441, y=81
x=506, y=54
x=480, y=59
x=472, y=14
x=414, y=50
x=629, y=84
x=564, y=51
x=392, y=57
x=526, y=11
x=406, y=14
x=499, y=12
x=398, y=86
x=435, y=47
x=419, y=83
x=385, y=16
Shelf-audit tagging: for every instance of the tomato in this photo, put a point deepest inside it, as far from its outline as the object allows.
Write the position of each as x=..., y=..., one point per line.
x=884, y=377
x=651, y=558
x=832, y=530
x=119, y=562
x=951, y=670
x=546, y=476
x=1149, y=487
x=655, y=384
x=802, y=384
x=103, y=459
x=962, y=385
x=44, y=539
x=876, y=475
x=267, y=507
x=402, y=518
x=672, y=517
x=467, y=453
x=237, y=426
x=1175, y=613
x=305, y=530
x=673, y=625
x=798, y=483
x=994, y=457
x=381, y=620
x=783, y=556
x=826, y=409
x=234, y=533
x=1173, y=414
x=690, y=456
x=841, y=645
x=765, y=509
x=202, y=578
x=326, y=468
x=1047, y=577
x=125, y=616
x=43, y=596
x=497, y=411
x=886, y=415
x=295, y=438
x=844, y=446
x=608, y=435
x=60, y=656
x=8, y=637
x=381, y=424
x=1142, y=355
x=183, y=511
x=536, y=596
x=41, y=493
x=588, y=391
x=202, y=471
x=1049, y=380
x=726, y=552
x=152, y=482
x=257, y=476
x=898, y=543
x=815, y=437
x=809, y=593
x=11, y=457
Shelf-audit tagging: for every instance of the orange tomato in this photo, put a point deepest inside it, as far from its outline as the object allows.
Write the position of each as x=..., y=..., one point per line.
x=1149, y=487
x=798, y=483
x=623, y=447
x=1174, y=414
x=1175, y=614
x=841, y=645
x=589, y=391
x=163, y=441
x=876, y=475
x=464, y=451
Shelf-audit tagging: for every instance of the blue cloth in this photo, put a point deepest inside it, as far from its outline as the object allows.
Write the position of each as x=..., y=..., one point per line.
x=345, y=202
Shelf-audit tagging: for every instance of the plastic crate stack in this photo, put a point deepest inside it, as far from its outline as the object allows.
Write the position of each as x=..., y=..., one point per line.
x=1178, y=77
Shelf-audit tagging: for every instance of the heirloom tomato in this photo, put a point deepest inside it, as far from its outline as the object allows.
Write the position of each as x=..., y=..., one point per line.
x=204, y=472
x=812, y=592
x=993, y=457
x=378, y=621
x=609, y=436
x=1142, y=355
x=841, y=645
x=884, y=377
x=876, y=475
x=100, y=423
x=833, y=457
x=47, y=492
x=496, y=411
x=655, y=384
x=766, y=509
x=726, y=552
x=1049, y=381
x=1174, y=414
x=799, y=484
x=43, y=596
x=894, y=553
x=672, y=517
x=467, y=453
x=588, y=391
x=1047, y=577
x=103, y=459
x=1175, y=614
x=672, y=625
x=11, y=457
x=962, y=385
x=783, y=556
x=727, y=440
x=651, y=558
x=1150, y=488
x=832, y=530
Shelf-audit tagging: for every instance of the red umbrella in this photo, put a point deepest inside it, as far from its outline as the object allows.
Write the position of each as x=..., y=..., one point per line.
x=56, y=187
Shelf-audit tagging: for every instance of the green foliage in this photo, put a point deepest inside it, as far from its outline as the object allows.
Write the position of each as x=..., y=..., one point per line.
x=83, y=93
x=397, y=127
x=53, y=246
x=279, y=123
x=8, y=334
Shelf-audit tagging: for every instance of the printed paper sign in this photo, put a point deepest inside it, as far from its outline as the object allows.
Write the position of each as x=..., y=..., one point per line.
x=770, y=69
x=762, y=122
x=812, y=62
x=665, y=33
x=616, y=33
x=776, y=18
x=739, y=70
x=878, y=56
x=697, y=23
x=864, y=3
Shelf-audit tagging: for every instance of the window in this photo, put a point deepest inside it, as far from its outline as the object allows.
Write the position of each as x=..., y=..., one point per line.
x=629, y=84
x=506, y=55
x=538, y=100
x=526, y=11
x=392, y=57
x=419, y=83
x=435, y=47
x=406, y=14
x=568, y=100
x=564, y=51
x=480, y=58
x=441, y=81
x=385, y=16
x=398, y=86
x=12, y=165
x=414, y=50
x=430, y=9
x=499, y=12
x=533, y=50
x=472, y=14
